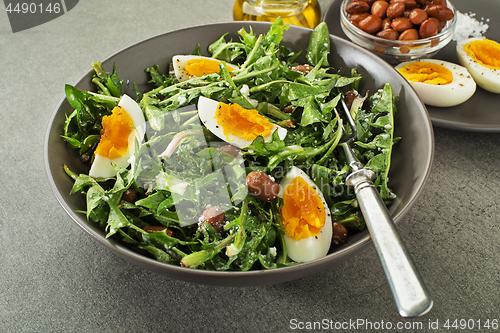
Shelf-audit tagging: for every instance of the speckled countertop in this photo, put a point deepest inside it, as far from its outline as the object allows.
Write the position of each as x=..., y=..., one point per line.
x=54, y=278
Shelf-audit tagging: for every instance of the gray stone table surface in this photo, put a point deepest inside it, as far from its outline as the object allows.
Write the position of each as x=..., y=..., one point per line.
x=54, y=278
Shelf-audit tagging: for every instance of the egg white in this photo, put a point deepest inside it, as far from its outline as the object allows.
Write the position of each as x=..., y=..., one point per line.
x=313, y=247
x=207, y=109
x=457, y=92
x=485, y=77
x=101, y=166
x=179, y=64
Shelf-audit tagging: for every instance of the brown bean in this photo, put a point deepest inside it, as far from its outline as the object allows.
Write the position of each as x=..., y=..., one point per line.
x=386, y=24
x=410, y=34
x=428, y=29
x=440, y=24
x=408, y=3
x=303, y=69
x=159, y=228
x=262, y=186
x=339, y=234
x=355, y=18
x=421, y=2
x=379, y=8
x=390, y=34
x=440, y=12
x=215, y=216
x=349, y=97
x=440, y=3
x=426, y=6
x=129, y=195
x=417, y=16
x=153, y=228
x=230, y=149
x=357, y=7
x=395, y=10
x=401, y=24
x=339, y=230
x=370, y=24
x=369, y=2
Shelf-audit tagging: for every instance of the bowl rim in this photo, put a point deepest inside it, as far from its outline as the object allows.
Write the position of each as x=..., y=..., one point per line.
x=450, y=28
x=230, y=278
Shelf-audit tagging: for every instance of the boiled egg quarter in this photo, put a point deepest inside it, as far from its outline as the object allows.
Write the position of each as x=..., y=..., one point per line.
x=189, y=66
x=438, y=83
x=305, y=216
x=481, y=57
x=116, y=145
x=234, y=124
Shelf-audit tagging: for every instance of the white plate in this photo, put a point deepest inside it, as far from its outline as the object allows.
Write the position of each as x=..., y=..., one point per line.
x=481, y=112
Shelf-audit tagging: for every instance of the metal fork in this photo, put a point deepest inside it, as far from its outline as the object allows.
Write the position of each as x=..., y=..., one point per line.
x=407, y=286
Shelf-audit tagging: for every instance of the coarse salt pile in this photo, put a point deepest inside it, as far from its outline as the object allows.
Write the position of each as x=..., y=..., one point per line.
x=468, y=27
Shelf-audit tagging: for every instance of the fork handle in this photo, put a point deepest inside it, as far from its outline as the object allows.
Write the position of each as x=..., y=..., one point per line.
x=407, y=286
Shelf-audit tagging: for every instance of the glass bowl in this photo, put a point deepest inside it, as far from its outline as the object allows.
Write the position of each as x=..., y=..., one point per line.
x=395, y=51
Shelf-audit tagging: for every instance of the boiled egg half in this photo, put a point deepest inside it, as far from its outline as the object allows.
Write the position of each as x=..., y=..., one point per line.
x=234, y=124
x=305, y=216
x=119, y=131
x=438, y=83
x=481, y=57
x=190, y=66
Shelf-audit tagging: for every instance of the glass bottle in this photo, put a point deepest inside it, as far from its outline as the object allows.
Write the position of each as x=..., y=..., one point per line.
x=305, y=13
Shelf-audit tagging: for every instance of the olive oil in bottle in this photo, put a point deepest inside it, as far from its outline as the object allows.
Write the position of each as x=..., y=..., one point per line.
x=305, y=13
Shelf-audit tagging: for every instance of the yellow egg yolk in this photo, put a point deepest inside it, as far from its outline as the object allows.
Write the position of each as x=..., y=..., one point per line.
x=201, y=67
x=116, y=129
x=427, y=72
x=303, y=212
x=485, y=52
x=243, y=123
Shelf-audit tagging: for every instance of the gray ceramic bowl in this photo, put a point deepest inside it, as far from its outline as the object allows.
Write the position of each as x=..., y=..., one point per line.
x=410, y=169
